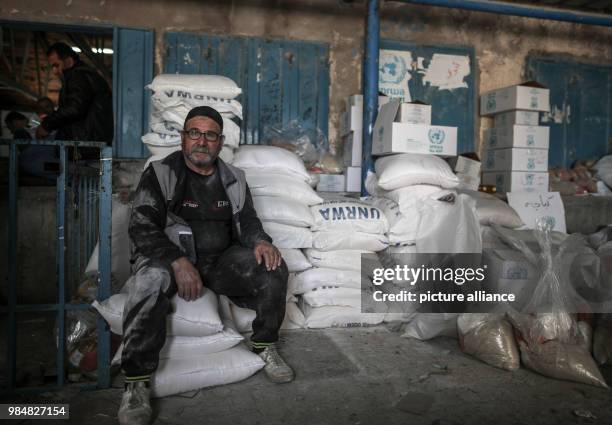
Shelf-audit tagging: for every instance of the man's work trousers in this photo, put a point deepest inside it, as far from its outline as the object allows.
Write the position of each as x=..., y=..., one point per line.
x=234, y=273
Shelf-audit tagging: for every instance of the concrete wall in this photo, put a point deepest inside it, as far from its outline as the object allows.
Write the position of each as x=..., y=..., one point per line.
x=501, y=42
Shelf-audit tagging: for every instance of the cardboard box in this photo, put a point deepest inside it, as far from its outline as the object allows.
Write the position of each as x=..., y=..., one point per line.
x=331, y=183
x=357, y=100
x=414, y=113
x=532, y=207
x=398, y=137
x=517, y=136
x=352, y=149
x=351, y=120
x=353, y=179
x=468, y=182
x=516, y=159
x=467, y=166
x=530, y=96
x=516, y=181
x=507, y=119
x=509, y=271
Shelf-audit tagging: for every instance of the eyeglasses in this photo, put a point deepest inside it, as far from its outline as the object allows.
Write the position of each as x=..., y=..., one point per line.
x=209, y=136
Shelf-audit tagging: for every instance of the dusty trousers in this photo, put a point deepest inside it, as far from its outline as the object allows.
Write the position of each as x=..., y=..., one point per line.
x=234, y=273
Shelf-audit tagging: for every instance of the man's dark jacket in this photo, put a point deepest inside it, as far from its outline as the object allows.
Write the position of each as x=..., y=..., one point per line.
x=159, y=197
x=85, y=110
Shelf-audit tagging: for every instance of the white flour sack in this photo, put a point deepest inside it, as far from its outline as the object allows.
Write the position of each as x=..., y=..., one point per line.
x=426, y=326
x=175, y=376
x=210, y=85
x=330, y=241
x=295, y=259
x=285, y=236
x=349, y=216
x=271, y=159
x=333, y=295
x=338, y=317
x=491, y=210
x=177, y=347
x=268, y=184
x=320, y=276
x=282, y=210
x=193, y=318
x=408, y=169
x=294, y=318
x=403, y=224
x=174, y=105
x=161, y=139
x=344, y=259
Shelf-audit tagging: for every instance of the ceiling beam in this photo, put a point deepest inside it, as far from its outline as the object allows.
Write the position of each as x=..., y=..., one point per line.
x=82, y=44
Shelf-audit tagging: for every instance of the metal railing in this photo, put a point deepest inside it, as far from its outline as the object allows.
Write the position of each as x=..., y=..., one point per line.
x=91, y=217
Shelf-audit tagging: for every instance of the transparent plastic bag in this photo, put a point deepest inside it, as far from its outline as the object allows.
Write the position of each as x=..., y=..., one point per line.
x=308, y=144
x=551, y=340
x=489, y=338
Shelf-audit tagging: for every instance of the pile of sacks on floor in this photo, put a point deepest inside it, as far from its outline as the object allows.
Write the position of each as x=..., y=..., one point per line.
x=201, y=349
x=174, y=95
x=321, y=241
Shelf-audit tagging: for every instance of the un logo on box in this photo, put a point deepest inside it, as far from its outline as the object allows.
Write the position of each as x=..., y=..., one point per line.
x=436, y=136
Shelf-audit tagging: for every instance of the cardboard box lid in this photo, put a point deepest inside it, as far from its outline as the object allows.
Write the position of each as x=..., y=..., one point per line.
x=387, y=113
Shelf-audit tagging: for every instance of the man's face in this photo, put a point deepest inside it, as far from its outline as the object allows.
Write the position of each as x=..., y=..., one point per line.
x=201, y=153
x=58, y=66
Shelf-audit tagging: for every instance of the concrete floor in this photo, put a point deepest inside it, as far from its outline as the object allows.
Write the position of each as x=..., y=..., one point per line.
x=367, y=376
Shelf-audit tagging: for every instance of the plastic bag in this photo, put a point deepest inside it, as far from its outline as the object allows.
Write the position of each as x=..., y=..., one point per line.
x=602, y=340
x=490, y=338
x=551, y=340
x=306, y=143
x=448, y=224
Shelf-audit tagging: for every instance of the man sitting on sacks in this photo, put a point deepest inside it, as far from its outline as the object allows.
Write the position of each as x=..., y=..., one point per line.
x=193, y=225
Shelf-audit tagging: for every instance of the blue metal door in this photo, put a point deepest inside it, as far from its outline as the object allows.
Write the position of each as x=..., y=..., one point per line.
x=442, y=76
x=132, y=70
x=280, y=80
x=580, y=116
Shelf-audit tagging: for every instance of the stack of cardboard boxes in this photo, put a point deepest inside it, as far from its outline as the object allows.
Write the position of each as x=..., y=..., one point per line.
x=515, y=157
x=403, y=127
x=351, y=131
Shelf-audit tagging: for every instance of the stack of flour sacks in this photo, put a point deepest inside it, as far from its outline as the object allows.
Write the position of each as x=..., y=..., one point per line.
x=331, y=291
x=425, y=215
x=282, y=196
x=174, y=95
x=201, y=350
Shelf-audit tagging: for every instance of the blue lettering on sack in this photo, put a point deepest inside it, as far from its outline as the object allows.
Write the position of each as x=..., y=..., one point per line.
x=338, y=214
x=324, y=213
x=363, y=212
x=351, y=213
x=183, y=94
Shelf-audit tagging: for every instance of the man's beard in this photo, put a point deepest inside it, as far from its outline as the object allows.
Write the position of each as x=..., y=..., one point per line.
x=201, y=162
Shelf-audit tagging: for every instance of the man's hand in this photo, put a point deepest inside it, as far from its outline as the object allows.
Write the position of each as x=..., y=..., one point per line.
x=267, y=252
x=187, y=279
x=41, y=133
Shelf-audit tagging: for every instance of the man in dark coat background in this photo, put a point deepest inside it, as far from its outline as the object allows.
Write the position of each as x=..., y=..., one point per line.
x=85, y=110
